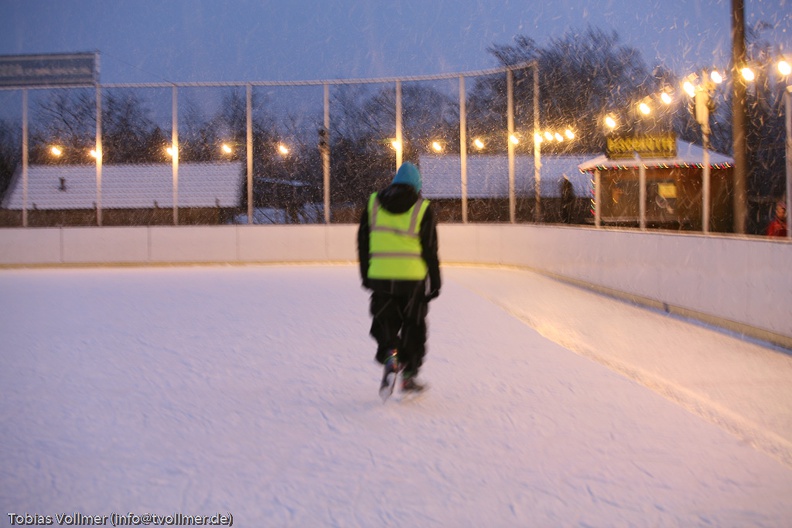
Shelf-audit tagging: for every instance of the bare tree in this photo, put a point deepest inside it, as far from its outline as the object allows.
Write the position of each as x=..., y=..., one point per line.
x=66, y=118
x=582, y=76
x=364, y=126
x=129, y=134
x=10, y=152
x=198, y=137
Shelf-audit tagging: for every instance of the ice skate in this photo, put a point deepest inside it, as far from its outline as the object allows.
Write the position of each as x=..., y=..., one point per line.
x=389, y=374
x=410, y=385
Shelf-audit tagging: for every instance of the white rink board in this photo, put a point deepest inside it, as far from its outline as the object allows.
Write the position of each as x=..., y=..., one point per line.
x=742, y=283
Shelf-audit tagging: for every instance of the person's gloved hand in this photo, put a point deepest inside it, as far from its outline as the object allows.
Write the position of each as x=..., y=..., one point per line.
x=434, y=294
x=366, y=284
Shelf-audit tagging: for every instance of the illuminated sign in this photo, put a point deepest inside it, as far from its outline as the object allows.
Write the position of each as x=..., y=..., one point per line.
x=57, y=69
x=646, y=146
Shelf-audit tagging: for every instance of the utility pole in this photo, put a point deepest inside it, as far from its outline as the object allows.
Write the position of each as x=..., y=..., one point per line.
x=738, y=117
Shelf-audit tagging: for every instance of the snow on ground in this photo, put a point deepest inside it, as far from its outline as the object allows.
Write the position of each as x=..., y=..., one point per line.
x=252, y=391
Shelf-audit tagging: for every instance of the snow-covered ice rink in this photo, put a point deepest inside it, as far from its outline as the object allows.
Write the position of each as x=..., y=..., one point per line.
x=252, y=391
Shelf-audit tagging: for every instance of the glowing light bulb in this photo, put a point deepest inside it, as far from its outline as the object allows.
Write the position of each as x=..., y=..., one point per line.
x=784, y=67
x=748, y=74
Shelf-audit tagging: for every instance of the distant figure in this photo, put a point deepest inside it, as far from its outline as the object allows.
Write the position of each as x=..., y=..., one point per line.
x=397, y=249
x=777, y=226
x=567, y=200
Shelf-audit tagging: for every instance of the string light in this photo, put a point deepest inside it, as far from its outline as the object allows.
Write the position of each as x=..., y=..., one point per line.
x=748, y=74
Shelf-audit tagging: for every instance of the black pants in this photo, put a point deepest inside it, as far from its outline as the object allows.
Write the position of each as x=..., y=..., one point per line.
x=399, y=321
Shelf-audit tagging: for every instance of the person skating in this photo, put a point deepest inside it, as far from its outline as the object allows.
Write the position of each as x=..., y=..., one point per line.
x=397, y=251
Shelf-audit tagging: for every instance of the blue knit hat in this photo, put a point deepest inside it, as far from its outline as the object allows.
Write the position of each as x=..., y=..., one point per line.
x=408, y=174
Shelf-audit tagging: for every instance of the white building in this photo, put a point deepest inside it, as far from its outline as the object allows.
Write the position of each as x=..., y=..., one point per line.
x=488, y=176
x=124, y=190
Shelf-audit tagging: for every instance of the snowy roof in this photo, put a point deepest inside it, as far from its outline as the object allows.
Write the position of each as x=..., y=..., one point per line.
x=488, y=176
x=688, y=155
x=216, y=184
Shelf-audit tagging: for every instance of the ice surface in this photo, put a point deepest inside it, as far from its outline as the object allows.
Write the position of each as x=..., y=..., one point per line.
x=253, y=391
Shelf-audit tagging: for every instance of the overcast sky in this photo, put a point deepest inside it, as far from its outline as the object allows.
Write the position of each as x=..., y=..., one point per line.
x=246, y=40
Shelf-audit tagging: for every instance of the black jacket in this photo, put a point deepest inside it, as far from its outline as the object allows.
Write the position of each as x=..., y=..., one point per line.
x=397, y=199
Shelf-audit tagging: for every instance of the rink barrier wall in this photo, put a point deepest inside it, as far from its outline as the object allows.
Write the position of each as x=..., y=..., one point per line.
x=743, y=284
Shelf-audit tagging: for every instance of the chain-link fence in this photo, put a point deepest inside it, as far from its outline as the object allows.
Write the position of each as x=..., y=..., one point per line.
x=284, y=152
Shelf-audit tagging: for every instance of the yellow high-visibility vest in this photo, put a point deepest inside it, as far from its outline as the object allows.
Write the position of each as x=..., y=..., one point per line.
x=395, y=242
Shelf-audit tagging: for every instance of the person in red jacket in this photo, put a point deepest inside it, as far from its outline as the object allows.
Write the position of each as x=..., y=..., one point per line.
x=778, y=226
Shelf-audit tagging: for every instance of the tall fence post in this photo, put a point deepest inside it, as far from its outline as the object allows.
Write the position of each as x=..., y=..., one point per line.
x=25, y=157
x=326, y=154
x=399, y=145
x=510, y=141
x=175, y=154
x=641, y=192
x=463, y=145
x=537, y=147
x=98, y=155
x=249, y=148
x=788, y=119
x=597, y=198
